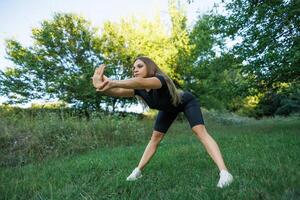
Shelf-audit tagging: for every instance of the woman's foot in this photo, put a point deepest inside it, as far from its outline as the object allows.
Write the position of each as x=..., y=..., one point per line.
x=135, y=174
x=225, y=179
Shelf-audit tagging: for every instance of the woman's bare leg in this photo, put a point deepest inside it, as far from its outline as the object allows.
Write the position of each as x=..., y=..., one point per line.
x=210, y=145
x=151, y=148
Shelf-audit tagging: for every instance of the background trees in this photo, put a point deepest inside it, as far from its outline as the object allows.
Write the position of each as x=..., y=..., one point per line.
x=257, y=76
x=58, y=65
x=269, y=43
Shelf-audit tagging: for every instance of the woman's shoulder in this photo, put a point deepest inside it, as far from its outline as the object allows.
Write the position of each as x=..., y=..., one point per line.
x=161, y=78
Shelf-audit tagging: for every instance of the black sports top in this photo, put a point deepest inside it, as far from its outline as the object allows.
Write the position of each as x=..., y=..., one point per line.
x=159, y=99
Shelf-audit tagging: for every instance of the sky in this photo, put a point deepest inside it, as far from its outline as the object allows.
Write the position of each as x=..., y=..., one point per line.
x=18, y=17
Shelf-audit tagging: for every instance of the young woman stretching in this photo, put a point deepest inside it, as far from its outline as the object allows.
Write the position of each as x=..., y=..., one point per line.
x=159, y=92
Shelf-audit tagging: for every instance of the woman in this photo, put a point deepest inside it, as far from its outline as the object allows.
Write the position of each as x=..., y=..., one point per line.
x=159, y=92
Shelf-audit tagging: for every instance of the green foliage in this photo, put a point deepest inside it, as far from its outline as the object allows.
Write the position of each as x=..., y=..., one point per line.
x=132, y=37
x=123, y=41
x=181, y=43
x=269, y=40
x=58, y=65
x=66, y=50
x=14, y=113
x=283, y=102
x=37, y=134
x=44, y=132
x=264, y=57
x=215, y=79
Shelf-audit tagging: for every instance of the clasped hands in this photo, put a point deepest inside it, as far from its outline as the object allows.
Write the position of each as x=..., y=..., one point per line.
x=100, y=81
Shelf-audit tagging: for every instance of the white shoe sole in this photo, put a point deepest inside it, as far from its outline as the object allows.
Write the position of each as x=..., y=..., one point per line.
x=226, y=184
x=134, y=179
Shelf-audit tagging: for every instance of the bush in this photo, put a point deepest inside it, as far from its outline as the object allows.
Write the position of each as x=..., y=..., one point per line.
x=25, y=137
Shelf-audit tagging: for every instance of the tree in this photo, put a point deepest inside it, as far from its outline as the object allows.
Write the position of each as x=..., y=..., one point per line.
x=67, y=50
x=181, y=43
x=269, y=36
x=58, y=65
x=214, y=75
x=121, y=42
x=132, y=37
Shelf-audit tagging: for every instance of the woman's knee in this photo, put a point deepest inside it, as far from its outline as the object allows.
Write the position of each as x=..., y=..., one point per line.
x=157, y=137
x=200, y=131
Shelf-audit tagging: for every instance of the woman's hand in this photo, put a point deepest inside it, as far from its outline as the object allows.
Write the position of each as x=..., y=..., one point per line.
x=107, y=84
x=100, y=81
x=98, y=77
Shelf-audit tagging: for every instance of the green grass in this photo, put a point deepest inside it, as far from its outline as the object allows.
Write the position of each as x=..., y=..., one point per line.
x=262, y=155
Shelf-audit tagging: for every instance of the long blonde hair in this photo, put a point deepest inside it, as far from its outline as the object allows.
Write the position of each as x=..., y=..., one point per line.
x=153, y=69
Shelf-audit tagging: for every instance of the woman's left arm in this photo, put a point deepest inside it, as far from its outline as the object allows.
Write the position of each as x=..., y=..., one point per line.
x=138, y=83
x=132, y=83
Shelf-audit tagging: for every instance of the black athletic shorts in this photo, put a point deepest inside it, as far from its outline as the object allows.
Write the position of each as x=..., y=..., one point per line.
x=189, y=106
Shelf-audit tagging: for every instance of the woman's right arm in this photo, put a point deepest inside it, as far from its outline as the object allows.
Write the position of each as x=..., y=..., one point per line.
x=119, y=92
x=99, y=78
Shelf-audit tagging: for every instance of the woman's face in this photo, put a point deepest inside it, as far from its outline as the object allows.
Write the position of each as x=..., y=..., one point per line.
x=139, y=69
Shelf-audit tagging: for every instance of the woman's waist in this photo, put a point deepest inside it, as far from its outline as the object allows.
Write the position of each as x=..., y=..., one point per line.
x=187, y=97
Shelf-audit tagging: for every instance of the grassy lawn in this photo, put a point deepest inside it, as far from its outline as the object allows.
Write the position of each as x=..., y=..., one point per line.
x=262, y=155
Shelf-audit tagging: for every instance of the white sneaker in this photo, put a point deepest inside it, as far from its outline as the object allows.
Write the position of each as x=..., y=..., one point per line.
x=136, y=173
x=225, y=179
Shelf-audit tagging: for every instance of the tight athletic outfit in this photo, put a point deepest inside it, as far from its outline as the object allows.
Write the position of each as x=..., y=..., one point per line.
x=161, y=100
